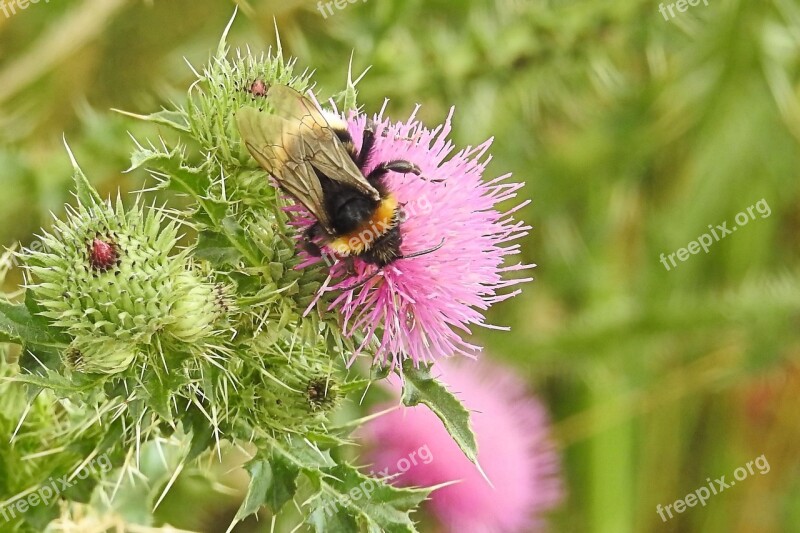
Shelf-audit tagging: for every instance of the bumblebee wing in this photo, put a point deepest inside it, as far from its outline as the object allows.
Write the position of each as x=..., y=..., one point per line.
x=275, y=144
x=320, y=145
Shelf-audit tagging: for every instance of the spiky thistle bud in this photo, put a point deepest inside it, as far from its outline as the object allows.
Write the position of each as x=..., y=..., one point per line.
x=322, y=393
x=101, y=356
x=199, y=308
x=109, y=277
x=105, y=272
x=224, y=88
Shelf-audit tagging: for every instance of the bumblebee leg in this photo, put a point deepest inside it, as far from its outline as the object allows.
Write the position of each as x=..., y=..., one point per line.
x=401, y=166
x=398, y=165
x=308, y=243
x=350, y=265
x=367, y=142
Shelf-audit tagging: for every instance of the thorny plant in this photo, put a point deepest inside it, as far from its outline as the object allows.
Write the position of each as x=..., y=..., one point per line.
x=135, y=345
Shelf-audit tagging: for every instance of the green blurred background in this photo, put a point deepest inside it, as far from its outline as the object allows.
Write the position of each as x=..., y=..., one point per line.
x=632, y=133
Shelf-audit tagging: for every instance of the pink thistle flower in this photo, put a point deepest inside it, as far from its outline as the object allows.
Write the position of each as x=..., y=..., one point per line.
x=514, y=450
x=421, y=307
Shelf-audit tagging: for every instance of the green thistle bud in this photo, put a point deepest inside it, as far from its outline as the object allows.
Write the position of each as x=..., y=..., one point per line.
x=199, y=308
x=100, y=357
x=226, y=86
x=322, y=393
x=105, y=274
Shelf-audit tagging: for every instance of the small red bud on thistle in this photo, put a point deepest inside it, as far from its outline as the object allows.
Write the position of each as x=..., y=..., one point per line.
x=102, y=255
x=258, y=88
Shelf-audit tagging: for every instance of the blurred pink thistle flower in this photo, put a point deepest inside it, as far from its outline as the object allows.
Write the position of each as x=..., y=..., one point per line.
x=514, y=450
x=421, y=307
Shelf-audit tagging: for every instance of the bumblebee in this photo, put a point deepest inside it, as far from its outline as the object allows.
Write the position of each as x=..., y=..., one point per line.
x=313, y=157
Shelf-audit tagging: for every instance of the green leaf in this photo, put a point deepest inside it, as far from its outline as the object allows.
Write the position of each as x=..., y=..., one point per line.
x=34, y=358
x=326, y=516
x=327, y=440
x=237, y=237
x=159, y=387
x=419, y=387
x=374, y=504
x=302, y=453
x=178, y=177
x=62, y=386
x=19, y=325
x=217, y=249
x=273, y=482
x=201, y=429
x=283, y=483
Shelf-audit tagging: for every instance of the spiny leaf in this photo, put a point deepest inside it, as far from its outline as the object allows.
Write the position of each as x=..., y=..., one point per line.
x=19, y=325
x=273, y=482
x=217, y=249
x=370, y=502
x=237, y=237
x=59, y=384
x=159, y=388
x=420, y=387
x=326, y=516
x=201, y=429
x=302, y=454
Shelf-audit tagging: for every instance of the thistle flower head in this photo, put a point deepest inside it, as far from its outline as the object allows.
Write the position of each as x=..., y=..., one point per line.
x=421, y=307
x=513, y=449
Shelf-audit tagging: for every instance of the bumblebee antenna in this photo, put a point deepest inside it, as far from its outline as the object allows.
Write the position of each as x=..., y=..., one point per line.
x=423, y=252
